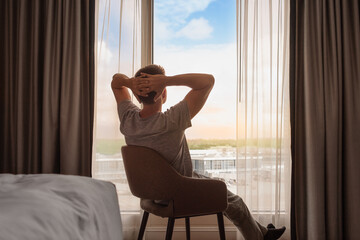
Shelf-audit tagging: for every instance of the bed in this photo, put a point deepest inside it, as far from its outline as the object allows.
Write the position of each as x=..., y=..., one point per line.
x=52, y=206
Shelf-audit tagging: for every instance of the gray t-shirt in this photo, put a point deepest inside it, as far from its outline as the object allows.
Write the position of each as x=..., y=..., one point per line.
x=163, y=132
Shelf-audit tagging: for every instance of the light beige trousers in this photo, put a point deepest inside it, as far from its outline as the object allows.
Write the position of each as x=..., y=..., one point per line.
x=238, y=213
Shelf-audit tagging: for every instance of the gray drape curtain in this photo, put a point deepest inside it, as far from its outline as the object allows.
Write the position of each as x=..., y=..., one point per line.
x=325, y=109
x=47, y=86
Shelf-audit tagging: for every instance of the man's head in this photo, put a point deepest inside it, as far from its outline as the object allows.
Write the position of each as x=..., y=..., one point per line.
x=153, y=70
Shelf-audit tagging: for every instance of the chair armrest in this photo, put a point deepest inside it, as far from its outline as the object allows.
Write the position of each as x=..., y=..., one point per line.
x=200, y=196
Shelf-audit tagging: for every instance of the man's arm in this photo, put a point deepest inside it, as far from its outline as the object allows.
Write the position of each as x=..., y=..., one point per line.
x=120, y=84
x=200, y=84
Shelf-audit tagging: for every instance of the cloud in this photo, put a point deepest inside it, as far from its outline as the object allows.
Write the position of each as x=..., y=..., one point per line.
x=176, y=12
x=171, y=19
x=163, y=30
x=196, y=29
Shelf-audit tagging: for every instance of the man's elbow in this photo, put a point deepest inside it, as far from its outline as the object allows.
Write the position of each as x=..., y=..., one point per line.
x=211, y=80
x=115, y=83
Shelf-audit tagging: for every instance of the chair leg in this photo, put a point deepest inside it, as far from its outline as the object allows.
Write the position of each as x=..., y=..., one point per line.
x=221, y=225
x=170, y=228
x=143, y=225
x=187, y=224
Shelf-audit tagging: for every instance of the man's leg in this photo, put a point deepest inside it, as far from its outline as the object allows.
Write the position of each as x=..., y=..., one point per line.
x=238, y=213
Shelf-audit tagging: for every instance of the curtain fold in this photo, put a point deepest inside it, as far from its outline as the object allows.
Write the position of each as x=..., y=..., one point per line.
x=263, y=110
x=47, y=81
x=325, y=102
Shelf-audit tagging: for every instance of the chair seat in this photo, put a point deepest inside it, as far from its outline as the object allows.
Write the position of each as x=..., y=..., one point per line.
x=168, y=211
x=157, y=209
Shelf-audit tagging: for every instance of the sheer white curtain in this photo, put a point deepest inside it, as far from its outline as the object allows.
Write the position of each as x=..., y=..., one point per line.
x=123, y=45
x=263, y=113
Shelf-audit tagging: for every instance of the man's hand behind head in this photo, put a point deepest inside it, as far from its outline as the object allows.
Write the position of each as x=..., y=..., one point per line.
x=152, y=83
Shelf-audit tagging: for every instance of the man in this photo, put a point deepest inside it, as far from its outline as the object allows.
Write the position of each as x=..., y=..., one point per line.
x=164, y=132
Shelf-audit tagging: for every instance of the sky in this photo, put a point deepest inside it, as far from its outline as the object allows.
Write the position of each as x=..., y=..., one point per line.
x=189, y=23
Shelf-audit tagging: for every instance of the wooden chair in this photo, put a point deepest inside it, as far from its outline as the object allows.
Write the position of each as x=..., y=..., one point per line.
x=151, y=177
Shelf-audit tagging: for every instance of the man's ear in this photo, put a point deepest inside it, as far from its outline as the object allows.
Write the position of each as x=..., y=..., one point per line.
x=164, y=96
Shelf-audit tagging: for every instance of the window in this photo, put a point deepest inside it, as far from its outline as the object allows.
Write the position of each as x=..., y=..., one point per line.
x=200, y=36
x=232, y=140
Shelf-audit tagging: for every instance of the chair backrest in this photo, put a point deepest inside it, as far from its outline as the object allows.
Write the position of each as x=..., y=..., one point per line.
x=149, y=175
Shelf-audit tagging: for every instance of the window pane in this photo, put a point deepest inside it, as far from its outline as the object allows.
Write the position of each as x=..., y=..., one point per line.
x=200, y=36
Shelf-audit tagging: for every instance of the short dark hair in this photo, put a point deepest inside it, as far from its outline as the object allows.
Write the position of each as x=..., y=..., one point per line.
x=152, y=69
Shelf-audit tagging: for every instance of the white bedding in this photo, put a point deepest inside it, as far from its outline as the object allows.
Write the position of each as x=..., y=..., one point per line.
x=51, y=206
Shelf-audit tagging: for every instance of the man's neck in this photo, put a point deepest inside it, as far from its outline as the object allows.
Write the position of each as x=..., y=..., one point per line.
x=150, y=109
